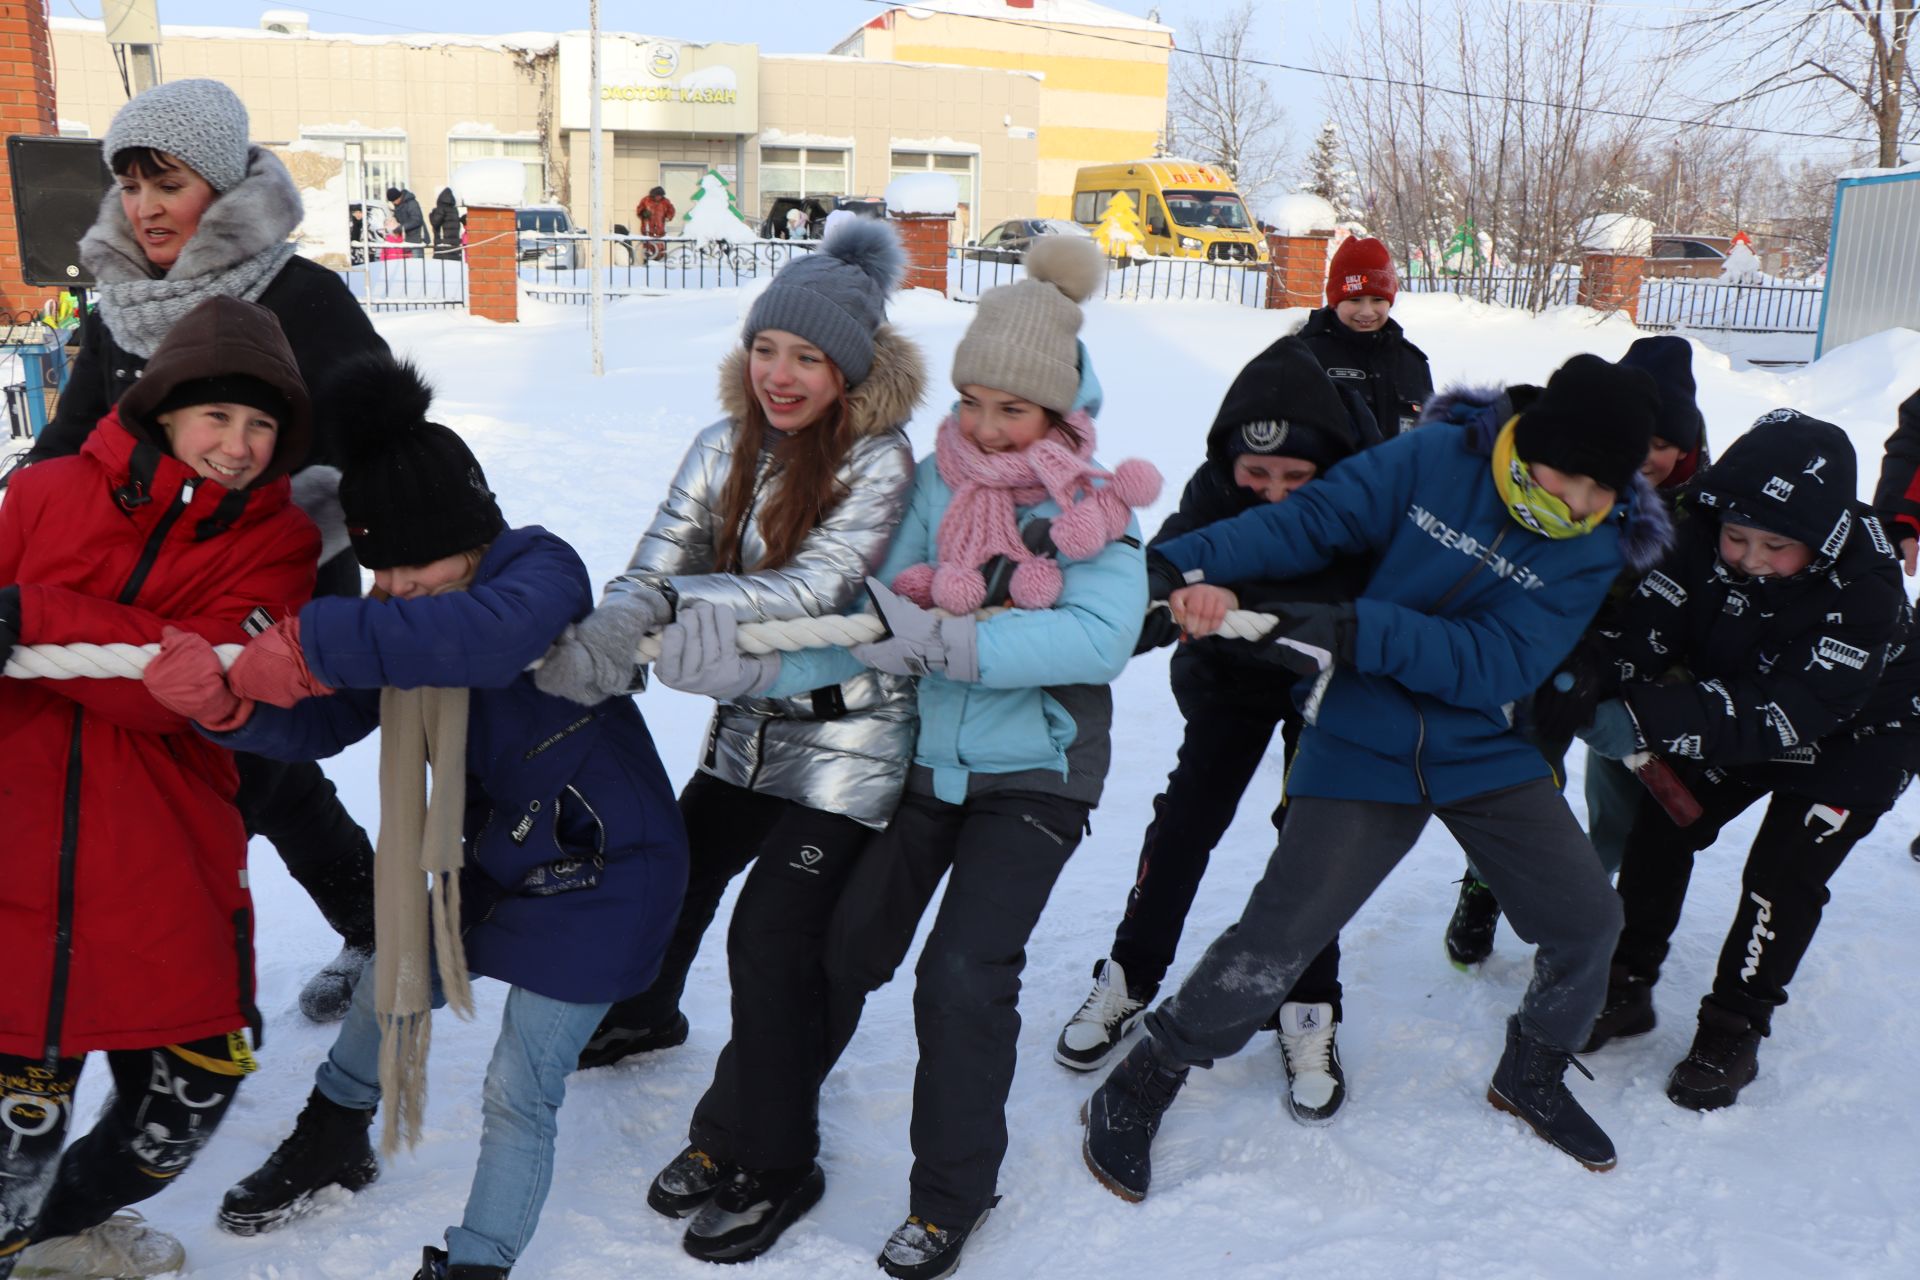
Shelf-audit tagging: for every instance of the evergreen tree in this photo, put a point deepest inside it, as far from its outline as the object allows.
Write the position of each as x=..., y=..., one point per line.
x=1331, y=177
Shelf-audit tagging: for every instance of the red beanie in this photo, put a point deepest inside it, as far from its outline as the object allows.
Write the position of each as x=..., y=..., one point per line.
x=1362, y=268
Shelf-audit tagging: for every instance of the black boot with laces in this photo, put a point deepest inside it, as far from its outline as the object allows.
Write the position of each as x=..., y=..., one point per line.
x=688, y=1182
x=1123, y=1115
x=746, y=1215
x=329, y=1147
x=1529, y=1083
x=1724, y=1059
x=919, y=1250
x=1475, y=917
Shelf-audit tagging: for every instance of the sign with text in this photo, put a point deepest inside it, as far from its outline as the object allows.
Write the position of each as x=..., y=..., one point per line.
x=662, y=86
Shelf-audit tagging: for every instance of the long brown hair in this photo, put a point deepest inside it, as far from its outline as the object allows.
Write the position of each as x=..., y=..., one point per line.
x=805, y=484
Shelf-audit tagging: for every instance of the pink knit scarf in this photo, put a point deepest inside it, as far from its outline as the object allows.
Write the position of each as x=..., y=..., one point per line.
x=980, y=521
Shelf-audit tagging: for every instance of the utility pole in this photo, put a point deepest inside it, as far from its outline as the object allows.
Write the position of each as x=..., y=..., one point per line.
x=596, y=293
x=133, y=31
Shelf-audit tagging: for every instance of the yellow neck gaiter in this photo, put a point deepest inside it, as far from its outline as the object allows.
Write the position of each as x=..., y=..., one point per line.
x=1533, y=507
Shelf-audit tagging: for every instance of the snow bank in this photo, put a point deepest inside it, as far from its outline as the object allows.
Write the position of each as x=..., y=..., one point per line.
x=490, y=182
x=927, y=195
x=1620, y=233
x=1299, y=212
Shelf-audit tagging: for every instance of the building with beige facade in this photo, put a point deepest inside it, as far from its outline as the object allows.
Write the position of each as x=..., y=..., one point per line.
x=1010, y=119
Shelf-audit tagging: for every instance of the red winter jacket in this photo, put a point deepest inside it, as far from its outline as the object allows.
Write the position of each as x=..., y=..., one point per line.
x=124, y=912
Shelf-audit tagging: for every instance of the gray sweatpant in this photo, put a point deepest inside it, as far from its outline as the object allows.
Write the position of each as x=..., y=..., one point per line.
x=1332, y=855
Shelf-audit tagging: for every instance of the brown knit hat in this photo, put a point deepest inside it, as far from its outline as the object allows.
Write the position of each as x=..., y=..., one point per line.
x=1025, y=341
x=225, y=344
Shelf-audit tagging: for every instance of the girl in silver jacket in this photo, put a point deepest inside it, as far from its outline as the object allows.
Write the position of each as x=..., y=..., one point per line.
x=780, y=510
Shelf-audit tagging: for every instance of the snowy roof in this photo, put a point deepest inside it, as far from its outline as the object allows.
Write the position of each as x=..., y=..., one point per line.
x=1298, y=213
x=1079, y=13
x=927, y=194
x=1902, y=171
x=490, y=182
x=513, y=41
x=1617, y=233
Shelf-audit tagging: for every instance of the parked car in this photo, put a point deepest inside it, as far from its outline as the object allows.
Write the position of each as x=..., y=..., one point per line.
x=774, y=225
x=865, y=206
x=1679, y=254
x=547, y=237
x=1008, y=242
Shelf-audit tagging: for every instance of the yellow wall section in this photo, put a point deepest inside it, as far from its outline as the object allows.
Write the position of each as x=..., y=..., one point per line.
x=1086, y=75
x=1094, y=146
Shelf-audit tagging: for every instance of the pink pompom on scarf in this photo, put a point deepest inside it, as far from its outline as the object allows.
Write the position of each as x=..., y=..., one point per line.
x=980, y=521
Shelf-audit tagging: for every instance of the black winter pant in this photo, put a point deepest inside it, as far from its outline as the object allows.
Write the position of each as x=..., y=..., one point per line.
x=1005, y=850
x=762, y=1109
x=1224, y=743
x=296, y=808
x=166, y=1103
x=1783, y=889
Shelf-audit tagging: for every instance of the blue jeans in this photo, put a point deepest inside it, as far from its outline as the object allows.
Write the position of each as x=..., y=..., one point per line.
x=540, y=1042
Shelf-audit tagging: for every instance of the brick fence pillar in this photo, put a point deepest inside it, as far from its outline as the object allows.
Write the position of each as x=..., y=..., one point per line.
x=925, y=240
x=26, y=106
x=493, y=264
x=1297, y=269
x=1611, y=282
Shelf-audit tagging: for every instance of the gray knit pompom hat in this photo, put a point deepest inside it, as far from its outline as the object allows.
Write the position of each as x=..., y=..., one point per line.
x=836, y=296
x=1025, y=339
x=201, y=123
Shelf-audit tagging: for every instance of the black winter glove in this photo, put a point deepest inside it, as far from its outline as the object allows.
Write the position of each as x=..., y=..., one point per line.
x=1157, y=630
x=9, y=622
x=1564, y=704
x=1037, y=535
x=1162, y=578
x=1311, y=638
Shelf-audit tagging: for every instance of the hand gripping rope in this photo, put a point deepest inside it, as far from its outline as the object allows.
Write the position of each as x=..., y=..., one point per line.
x=127, y=661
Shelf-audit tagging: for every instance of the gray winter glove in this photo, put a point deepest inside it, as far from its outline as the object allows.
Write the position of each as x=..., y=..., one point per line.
x=595, y=658
x=699, y=654
x=1614, y=732
x=920, y=642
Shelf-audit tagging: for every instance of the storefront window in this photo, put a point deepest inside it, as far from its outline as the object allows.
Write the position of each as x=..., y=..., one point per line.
x=801, y=173
x=525, y=150
x=374, y=162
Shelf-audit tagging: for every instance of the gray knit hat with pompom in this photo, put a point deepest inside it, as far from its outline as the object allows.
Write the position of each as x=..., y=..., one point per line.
x=836, y=296
x=1025, y=341
x=201, y=123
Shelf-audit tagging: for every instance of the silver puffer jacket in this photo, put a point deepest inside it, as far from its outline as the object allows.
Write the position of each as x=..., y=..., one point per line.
x=843, y=749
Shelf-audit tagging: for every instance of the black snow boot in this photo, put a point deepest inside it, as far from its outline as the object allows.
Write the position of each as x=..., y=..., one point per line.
x=1628, y=1011
x=1724, y=1059
x=1123, y=1115
x=1528, y=1083
x=1914, y=848
x=329, y=1147
x=612, y=1043
x=434, y=1266
x=688, y=1181
x=746, y=1216
x=1475, y=917
x=919, y=1250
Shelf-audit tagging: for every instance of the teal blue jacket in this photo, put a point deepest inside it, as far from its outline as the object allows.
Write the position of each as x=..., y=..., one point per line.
x=1038, y=717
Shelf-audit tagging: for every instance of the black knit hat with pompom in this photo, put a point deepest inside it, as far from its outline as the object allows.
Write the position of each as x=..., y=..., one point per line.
x=411, y=490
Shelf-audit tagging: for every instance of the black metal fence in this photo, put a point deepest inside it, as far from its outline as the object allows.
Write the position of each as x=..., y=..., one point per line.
x=1730, y=308
x=971, y=272
x=390, y=276
x=1526, y=293
x=554, y=268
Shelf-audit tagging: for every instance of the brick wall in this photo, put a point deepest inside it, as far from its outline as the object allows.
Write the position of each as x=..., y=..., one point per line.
x=1611, y=282
x=493, y=279
x=925, y=240
x=1297, y=270
x=26, y=106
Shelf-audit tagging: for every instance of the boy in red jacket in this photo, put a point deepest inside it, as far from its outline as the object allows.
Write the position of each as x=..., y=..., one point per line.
x=124, y=896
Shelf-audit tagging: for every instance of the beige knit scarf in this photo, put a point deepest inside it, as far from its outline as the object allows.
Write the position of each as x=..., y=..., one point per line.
x=416, y=899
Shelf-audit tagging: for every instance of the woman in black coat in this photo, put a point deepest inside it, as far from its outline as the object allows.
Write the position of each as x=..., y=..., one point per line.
x=446, y=226
x=197, y=211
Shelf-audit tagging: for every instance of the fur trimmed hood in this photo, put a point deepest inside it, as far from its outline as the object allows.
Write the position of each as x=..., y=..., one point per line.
x=259, y=213
x=887, y=399
x=1648, y=531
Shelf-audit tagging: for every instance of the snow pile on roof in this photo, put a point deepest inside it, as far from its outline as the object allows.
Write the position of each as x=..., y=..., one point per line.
x=1905, y=170
x=928, y=195
x=1079, y=13
x=490, y=182
x=709, y=218
x=1617, y=233
x=1299, y=213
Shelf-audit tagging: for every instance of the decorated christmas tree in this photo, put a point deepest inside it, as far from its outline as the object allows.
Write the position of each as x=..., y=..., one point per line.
x=1119, y=233
x=712, y=213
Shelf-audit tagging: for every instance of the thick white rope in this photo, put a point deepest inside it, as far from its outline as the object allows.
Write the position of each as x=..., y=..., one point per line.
x=127, y=661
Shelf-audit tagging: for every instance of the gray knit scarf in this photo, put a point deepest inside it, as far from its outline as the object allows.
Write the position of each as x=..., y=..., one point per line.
x=238, y=249
x=416, y=893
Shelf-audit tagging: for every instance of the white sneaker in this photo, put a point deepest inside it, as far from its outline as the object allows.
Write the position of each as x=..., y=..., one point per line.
x=1316, y=1086
x=1091, y=1035
x=121, y=1247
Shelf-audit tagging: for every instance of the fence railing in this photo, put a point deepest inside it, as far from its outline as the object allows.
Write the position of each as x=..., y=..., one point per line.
x=1526, y=293
x=555, y=267
x=386, y=276
x=1676, y=303
x=971, y=272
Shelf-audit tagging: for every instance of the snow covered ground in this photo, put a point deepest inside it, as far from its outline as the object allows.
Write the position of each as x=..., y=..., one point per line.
x=1813, y=1173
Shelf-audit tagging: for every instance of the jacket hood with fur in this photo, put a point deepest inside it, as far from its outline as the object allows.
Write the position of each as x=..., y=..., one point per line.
x=256, y=215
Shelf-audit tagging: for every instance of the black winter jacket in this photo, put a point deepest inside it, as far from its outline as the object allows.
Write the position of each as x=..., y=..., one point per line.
x=1897, y=498
x=322, y=322
x=1389, y=371
x=1782, y=682
x=406, y=213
